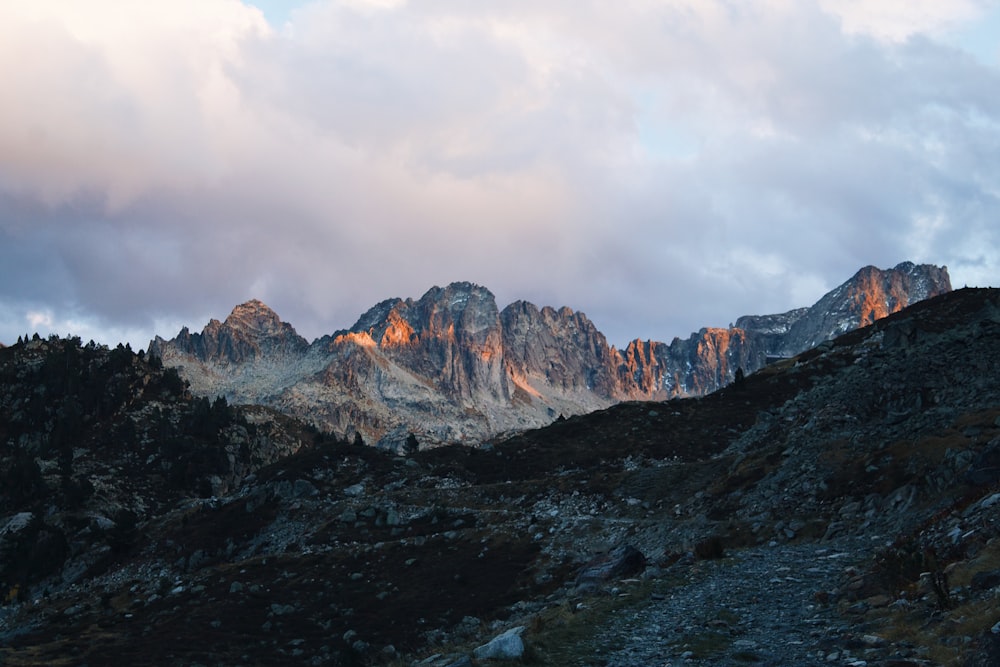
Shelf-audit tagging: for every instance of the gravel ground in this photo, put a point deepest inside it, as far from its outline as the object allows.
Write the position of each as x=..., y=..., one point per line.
x=762, y=606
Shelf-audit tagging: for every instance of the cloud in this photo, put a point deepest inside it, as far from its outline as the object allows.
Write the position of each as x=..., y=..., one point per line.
x=118, y=98
x=898, y=20
x=659, y=165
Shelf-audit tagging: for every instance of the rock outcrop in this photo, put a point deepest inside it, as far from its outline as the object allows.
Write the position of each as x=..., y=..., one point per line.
x=869, y=295
x=252, y=331
x=452, y=367
x=709, y=359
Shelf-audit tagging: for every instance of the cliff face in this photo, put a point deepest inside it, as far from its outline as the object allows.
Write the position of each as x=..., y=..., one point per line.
x=557, y=352
x=451, y=367
x=694, y=366
x=451, y=336
x=869, y=295
x=709, y=359
x=251, y=331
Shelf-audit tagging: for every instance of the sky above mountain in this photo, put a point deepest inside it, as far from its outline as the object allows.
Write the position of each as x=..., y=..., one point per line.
x=659, y=165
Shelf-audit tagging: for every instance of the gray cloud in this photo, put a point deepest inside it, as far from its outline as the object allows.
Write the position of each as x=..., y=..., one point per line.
x=660, y=166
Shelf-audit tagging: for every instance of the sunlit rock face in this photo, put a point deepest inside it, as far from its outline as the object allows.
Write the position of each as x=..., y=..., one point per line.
x=868, y=296
x=709, y=359
x=694, y=366
x=552, y=352
x=451, y=336
x=451, y=367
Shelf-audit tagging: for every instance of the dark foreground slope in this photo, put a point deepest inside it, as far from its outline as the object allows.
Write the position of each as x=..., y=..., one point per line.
x=815, y=494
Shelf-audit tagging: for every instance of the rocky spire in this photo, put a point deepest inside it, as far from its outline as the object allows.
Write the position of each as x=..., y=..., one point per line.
x=251, y=331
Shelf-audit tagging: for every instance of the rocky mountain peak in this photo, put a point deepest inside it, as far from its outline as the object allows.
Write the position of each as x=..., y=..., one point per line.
x=558, y=353
x=460, y=309
x=254, y=315
x=251, y=331
x=709, y=359
x=452, y=368
x=869, y=295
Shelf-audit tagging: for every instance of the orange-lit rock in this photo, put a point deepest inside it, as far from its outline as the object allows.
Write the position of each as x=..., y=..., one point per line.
x=398, y=331
x=451, y=367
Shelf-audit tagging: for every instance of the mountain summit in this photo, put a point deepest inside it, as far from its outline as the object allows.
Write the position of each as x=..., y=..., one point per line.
x=452, y=367
x=251, y=331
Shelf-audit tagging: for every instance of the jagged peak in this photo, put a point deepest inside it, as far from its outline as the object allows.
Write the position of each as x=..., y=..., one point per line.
x=253, y=311
x=378, y=314
x=402, y=319
x=251, y=331
x=457, y=295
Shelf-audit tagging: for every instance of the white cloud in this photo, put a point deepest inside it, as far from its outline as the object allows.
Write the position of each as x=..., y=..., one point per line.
x=35, y=319
x=163, y=161
x=119, y=97
x=898, y=20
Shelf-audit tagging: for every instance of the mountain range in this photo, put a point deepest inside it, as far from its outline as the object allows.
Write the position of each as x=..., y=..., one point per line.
x=841, y=507
x=452, y=367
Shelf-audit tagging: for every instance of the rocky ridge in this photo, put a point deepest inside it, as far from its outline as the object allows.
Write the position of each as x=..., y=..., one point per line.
x=452, y=367
x=836, y=508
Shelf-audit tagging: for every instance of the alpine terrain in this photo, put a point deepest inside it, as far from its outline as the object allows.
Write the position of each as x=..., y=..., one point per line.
x=452, y=367
x=838, y=507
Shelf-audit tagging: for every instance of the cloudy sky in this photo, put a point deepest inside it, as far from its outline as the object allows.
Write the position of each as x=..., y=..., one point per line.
x=661, y=165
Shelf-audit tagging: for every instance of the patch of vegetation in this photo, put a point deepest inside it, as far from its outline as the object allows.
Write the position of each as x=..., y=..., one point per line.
x=564, y=635
x=704, y=644
x=941, y=627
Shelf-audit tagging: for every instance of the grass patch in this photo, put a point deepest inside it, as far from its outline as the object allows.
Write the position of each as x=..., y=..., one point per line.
x=746, y=656
x=565, y=634
x=704, y=644
x=935, y=631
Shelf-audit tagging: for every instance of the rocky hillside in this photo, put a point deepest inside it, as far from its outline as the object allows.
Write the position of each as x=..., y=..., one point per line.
x=94, y=441
x=452, y=367
x=837, y=508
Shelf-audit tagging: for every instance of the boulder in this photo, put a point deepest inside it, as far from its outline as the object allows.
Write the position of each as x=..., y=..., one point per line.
x=982, y=581
x=508, y=646
x=622, y=561
x=985, y=470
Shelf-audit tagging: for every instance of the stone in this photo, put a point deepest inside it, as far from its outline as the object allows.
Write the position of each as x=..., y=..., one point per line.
x=990, y=501
x=985, y=469
x=622, y=561
x=282, y=609
x=873, y=640
x=507, y=646
x=354, y=490
x=73, y=610
x=880, y=600
x=304, y=489
x=17, y=523
x=982, y=581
